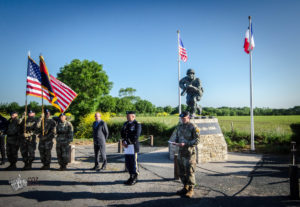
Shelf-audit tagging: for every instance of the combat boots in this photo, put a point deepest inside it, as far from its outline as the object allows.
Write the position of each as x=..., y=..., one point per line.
x=12, y=166
x=62, y=167
x=45, y=167
x=27, y=166
x=183, y=191
x=3, y=161
x=190, y=192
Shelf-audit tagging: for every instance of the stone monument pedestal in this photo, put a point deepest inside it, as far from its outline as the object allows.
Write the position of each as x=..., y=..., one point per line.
x=212, y=146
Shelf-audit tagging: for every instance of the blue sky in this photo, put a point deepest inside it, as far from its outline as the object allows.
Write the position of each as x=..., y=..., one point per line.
x=136, y=41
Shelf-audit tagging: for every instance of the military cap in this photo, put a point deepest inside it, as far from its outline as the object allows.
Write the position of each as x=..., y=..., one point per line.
x=30, y=111
x=184, y=114
x=62, y=114
x=190, y=71
x=13, y=112
x=130, y=112
x=47, y=111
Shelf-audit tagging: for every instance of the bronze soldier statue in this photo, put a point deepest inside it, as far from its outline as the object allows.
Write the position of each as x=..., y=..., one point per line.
x=192, y=87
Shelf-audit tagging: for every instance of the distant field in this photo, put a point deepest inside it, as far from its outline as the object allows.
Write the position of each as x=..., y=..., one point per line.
x=279, y=125
x=272, y=133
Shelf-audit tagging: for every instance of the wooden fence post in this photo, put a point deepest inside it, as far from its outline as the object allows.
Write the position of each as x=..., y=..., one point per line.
x=120, y=146
x=151, y=140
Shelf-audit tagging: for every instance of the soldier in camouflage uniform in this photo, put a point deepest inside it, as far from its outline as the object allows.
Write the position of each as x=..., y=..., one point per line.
x=46, y=140
x=12, y=140
x=28, y=140
x=187, y=137
x=64, y=130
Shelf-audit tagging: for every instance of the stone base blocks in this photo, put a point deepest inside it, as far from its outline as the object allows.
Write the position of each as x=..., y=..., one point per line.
x=212, y=146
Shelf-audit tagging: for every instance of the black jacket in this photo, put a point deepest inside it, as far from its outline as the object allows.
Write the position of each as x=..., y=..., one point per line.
x=130, y=133
x=100, y=132
x=3, y=124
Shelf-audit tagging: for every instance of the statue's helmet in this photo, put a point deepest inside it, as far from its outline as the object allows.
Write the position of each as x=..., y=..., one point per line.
x=190, y=71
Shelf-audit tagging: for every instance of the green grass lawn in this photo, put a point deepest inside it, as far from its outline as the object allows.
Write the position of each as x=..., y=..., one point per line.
x=262, y=124
x=272, y=133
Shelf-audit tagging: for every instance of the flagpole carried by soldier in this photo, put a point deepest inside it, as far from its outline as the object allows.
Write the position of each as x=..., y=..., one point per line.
x=46, y=136
x=187, y=138
x=28, y=139
x=64, y=130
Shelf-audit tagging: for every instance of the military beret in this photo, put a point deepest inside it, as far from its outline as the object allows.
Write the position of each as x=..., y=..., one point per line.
x=30, y=111
x=13, y=112
x=184, y=114
x=130, y=112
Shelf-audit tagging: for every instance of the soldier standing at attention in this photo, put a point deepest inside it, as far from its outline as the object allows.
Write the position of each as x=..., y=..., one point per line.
x=64, y=130
x=13, y=140
x=187, y=137
x=100, y=134
x=46, y=140
x=28, y=140
x=3, y=128
x=130, y=136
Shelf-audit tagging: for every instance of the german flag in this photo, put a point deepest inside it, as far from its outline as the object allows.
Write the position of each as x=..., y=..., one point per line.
x=48, y=92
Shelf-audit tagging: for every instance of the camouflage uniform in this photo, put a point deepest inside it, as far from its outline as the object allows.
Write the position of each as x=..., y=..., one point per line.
x=46, y=141
x=64, y=138
x=28, y=141
x=13, y=140
x=189, y=134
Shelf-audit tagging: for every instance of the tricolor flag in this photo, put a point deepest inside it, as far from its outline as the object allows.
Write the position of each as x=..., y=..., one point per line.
x=48, y=92
x=182, y=51
x=247, y=41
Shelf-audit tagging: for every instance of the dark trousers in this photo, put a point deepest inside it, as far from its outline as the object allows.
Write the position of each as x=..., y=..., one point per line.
x=2, y=147
x=131, y=162
x=99, y=149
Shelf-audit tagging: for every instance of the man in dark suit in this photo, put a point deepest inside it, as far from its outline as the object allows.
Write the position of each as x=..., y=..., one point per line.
x=130, y=133
x=100, y=134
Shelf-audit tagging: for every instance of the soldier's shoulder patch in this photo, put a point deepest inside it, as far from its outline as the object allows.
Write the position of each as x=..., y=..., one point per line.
x=197, y=129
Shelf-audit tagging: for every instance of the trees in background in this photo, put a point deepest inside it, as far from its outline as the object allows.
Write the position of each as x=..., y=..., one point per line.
x=89, y=81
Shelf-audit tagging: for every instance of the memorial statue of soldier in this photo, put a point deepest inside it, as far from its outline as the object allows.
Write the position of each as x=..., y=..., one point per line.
x=191, y=86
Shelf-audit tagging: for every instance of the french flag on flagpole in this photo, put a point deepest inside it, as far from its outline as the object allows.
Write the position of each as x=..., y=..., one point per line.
x=247, y=41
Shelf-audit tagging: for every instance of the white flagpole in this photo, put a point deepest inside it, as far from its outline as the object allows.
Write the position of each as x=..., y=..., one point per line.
x=251, y=87
x=179, y=95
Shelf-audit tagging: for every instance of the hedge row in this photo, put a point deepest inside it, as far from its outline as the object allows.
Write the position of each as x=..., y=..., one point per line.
x=149, y=128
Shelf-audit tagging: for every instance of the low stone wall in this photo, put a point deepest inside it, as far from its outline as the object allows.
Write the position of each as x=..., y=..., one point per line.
x=212, y=146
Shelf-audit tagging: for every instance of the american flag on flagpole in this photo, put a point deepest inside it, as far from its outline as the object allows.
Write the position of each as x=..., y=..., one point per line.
x=34, y=79
x=65, y=95
x=182, y=51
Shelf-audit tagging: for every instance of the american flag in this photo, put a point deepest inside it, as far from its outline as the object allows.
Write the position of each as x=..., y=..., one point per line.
x=65, y=95
x=182, y=51
x=34, y=79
